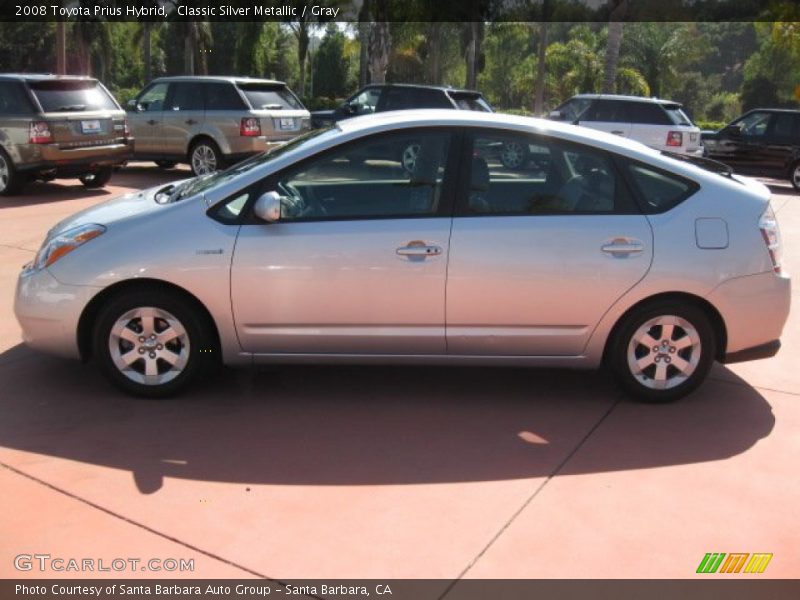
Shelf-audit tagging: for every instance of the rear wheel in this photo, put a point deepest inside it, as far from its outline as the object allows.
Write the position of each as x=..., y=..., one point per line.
x=662, y=351
x=794, y=175
x=408, y=157
x=166, y=164
x=11, y=182
x=97, y=179
x=151, y=343
x=205, y=157
x=514, y=155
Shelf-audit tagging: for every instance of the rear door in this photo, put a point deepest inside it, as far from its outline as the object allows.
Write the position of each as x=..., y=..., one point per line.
x=783, y=138
x=146, y=120
x=747, y=148
x=611, y=116
x=183, y=116
x=538, y=254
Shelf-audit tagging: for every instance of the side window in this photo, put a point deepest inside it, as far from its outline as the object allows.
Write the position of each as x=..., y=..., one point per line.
x=222, y=96
x=755, y=124
x=659, y=191
x=399, y=99
x=783, y=125
x=366, y=102
x=153, y=99
x=513, y=174
x=608, y=111
x=395, y=175
x=13, y=100
x=185, y=96
x=423, y=98
x=574, y=109
x=647, y=113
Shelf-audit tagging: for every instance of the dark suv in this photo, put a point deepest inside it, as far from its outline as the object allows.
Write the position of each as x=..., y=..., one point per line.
x=59, y=126
x=396, y=96
x=763, y=141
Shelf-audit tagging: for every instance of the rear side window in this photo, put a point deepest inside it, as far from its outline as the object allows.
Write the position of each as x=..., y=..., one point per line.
x=185, y=96
x=676, y=115
x=608, y=111
x=658, y=190
x=270, y=96
x=13, y=100
x=222, y=96
x=73, y=96
x=786, y=125
x=648, y=113
x=399, y=99
x=471, y=102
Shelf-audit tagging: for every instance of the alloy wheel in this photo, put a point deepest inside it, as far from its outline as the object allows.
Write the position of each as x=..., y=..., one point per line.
x=664, y=352
x=512, y=155
x=4, y=174
x=409, y=158
x=204, y=160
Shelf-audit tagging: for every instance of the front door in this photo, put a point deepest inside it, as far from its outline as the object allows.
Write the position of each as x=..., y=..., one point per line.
x=611, y=116
x=357, y=263
x=537, y=255
x=146, y=120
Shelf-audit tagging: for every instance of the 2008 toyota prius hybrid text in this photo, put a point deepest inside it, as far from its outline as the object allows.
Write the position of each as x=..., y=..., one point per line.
x=597, y=251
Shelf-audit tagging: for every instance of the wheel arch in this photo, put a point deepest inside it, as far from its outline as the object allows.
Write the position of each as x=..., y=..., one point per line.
x=717, y=322
x=90, y=312
x=205, y=136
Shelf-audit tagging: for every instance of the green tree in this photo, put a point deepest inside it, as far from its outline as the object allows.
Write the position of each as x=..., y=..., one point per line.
x=330, y=65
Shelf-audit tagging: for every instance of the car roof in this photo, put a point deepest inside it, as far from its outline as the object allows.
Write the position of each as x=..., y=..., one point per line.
x=43, y=77
x=439, y=88
x=219, y=78
x=652, y=100
x=773, y=110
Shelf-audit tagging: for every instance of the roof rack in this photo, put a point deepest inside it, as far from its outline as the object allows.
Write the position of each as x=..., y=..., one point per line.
x=709, y=164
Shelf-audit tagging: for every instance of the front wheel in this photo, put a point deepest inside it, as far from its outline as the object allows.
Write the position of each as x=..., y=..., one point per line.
x=97, y=179
x=794, y=175
x=662, y=351
x=151, y=343
x=514, y=155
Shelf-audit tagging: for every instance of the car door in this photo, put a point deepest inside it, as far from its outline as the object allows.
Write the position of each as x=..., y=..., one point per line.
x=539, y=254
x=183, y=116
x=782, y=138
x=743, y=145
x=146, y=120
x=611, y=116
x=357, y=263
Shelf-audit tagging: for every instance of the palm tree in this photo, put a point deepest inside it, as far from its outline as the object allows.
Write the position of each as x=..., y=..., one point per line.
x=538, y=102
x=618, y=9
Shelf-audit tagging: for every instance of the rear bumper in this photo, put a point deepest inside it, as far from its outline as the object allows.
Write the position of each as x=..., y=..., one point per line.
x=49, y=157
x=767, y=350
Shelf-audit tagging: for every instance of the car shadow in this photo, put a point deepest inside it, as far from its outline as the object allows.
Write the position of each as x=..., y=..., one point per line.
x=353, y=425
x=46, y=193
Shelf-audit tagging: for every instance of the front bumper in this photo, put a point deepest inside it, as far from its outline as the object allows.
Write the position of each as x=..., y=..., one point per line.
x=48, y=312
x=755, y=309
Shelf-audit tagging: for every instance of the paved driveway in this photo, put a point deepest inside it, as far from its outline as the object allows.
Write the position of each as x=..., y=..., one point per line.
x=331, y=472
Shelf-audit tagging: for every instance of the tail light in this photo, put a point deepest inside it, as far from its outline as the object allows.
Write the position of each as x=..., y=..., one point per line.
x=675, y=138
x=40, y=133
x=250, y=127
x=771, y=233
x=123, y=128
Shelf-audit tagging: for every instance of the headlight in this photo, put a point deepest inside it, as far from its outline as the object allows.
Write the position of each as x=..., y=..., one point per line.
x=64, y=243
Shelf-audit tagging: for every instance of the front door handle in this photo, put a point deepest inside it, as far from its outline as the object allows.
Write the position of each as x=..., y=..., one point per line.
x=618, y=132
x=622, y=247
x=191, y=122
x=152, y=122
x=419, y=250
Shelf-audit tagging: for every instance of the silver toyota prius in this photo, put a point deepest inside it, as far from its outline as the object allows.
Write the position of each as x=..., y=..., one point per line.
x=336, y=247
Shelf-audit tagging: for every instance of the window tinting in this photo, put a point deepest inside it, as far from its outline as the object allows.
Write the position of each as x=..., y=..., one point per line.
x=269, y=96
x=610, y=111
x=785, y=125
x=574, y=109
x=75, y=96
x=513, y=174
x=658, y=190
x=154, y=98
x=399, y=99
x=13, y=100
x=222, y=96
x=648, y=113
x=396, y=175
x=186, y=96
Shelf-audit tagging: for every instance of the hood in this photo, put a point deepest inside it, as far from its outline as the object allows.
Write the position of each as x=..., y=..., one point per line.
x=116, y=209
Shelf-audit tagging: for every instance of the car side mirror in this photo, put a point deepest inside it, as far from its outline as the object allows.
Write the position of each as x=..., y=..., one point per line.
x=133, y=106
x=268, y=207
x=733, y=130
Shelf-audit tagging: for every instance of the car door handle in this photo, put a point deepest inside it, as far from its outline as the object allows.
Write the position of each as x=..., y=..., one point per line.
x=191, y=122
x=618, y=132
x=152, y=122
x=622, y=247
x=419, y=250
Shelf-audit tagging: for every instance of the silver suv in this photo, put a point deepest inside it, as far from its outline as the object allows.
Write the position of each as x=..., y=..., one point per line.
x=211, y=122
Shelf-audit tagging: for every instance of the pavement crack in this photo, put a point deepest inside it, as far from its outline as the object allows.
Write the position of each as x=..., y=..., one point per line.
x=530, y=498
x=140, y=525
x=17, y=248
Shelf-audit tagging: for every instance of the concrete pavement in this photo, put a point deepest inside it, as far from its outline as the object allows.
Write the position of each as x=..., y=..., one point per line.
x=352, y=472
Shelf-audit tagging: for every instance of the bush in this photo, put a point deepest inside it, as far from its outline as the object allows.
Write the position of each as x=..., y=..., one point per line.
x=724, y=106
x=710, y=125
x=124, y=94
x=320, y=103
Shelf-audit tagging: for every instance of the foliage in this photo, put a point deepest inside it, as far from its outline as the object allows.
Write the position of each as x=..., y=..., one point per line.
x=330, y=65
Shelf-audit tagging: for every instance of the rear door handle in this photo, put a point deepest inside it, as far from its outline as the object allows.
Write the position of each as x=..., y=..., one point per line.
x=618, y=132
x=152, y=122
x=191, y=122
x=419, y=250
x=622, y=247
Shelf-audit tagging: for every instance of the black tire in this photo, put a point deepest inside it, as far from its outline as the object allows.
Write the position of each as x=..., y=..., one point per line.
x=97, y=179
x=794, y=175
x=514, y=156
x=196, y=347
x=208, y=149
x=11, y=180
x=166, y=164
x=623, y=355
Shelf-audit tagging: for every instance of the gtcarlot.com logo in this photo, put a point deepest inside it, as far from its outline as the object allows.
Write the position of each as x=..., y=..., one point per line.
x=46, y=562
x=735, y=562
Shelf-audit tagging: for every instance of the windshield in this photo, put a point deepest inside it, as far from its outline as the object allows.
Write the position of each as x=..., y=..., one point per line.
x=265, y=95
x=65, y=95
x=200, y=184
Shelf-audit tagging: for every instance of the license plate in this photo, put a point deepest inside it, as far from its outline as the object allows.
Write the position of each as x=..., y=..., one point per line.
x=287, y=123
x=91, y=126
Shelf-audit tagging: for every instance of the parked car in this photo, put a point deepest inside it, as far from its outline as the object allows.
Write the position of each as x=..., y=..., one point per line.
x=211, y=122
x=613, y=254
x=765, y=141
x=660, y=124
x=59, y=127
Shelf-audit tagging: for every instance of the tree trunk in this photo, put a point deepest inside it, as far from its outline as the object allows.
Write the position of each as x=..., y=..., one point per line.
x=147, y=44
x=538, y=103
x=363, y=55
x=61, y=48
x=472, y=56
x=435, y=53
x=302, y=55
x=612, y=48
x=188, y=50
x=379, y=50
